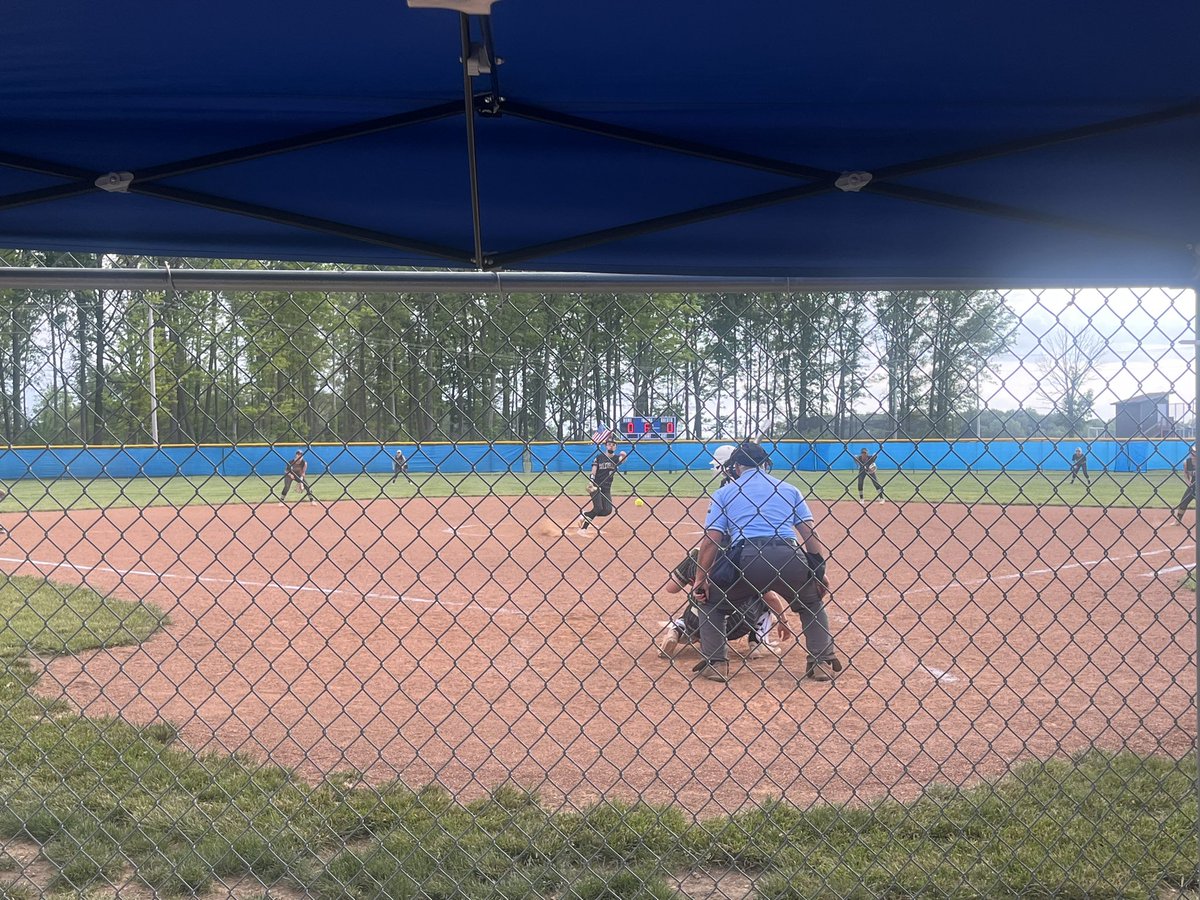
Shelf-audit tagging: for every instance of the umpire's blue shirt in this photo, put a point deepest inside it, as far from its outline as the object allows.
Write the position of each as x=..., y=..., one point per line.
x=756, y=506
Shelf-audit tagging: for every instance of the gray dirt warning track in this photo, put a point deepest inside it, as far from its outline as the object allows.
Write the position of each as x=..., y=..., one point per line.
x=474, y=641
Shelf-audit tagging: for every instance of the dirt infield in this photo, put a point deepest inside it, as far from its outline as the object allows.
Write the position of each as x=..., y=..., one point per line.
x=472, y=642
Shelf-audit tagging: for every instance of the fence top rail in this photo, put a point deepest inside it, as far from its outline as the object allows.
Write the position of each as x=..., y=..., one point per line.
x=407, y=442
x=414, y=282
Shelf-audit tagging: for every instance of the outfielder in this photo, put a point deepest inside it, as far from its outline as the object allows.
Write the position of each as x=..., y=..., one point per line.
x=296, y=470
x=1079, y=466
x=400, y=467
x=603, y=469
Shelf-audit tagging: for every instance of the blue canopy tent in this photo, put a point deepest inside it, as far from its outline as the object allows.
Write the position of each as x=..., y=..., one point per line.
x=1045, y=142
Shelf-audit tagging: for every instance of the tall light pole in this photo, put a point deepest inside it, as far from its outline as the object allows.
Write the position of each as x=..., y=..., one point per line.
x=979, y=401
x=153, y=379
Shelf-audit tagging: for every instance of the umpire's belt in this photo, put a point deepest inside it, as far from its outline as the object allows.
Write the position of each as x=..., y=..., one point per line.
x=768, y=541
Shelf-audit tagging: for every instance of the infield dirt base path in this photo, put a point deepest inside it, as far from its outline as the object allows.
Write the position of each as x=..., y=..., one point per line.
x=474, y=642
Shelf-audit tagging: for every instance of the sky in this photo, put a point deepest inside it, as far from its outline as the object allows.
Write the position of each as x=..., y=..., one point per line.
x=1144, y=332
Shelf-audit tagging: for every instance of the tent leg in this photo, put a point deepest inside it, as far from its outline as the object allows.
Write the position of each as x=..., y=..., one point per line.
x=1196, y=526
x=472, y=165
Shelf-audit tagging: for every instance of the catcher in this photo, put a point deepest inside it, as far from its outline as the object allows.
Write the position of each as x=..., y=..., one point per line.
x=600, y=487
x=771, y=613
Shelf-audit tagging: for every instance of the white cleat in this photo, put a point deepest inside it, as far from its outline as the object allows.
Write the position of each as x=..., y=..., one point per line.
x=764, y=650
x=668, y=644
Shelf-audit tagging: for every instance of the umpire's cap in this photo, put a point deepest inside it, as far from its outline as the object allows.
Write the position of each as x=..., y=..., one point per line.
x=750, y=454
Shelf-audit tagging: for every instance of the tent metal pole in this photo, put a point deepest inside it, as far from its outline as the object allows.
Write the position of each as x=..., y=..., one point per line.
x=661, y=223
x=44, y=195
x=1003, y=211
x=1084, y=132
x=431, y=282
x=1196, y=526
x=300, y=142
x=472, y=162
x=662, y=142
x=297, y=220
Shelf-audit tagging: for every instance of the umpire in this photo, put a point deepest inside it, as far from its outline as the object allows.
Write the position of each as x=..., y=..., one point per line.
x=760, y=516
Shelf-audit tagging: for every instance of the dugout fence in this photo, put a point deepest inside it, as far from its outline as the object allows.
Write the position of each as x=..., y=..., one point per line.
x=422, y=681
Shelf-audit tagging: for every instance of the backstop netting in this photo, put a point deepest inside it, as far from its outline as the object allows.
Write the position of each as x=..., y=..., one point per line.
x=298, y=596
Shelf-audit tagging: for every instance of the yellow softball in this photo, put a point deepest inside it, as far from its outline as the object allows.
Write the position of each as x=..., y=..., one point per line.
x=638, y=502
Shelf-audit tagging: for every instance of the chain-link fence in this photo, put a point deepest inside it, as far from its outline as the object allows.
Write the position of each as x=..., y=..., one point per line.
x=321, y=593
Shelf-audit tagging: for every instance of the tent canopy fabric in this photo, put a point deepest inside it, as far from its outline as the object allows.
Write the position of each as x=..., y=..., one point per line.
x=987, y=142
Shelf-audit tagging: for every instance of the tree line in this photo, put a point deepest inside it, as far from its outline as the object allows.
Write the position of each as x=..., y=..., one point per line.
x=75, y=365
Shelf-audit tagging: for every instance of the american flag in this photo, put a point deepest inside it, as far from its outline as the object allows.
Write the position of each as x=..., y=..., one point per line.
x=601, y=434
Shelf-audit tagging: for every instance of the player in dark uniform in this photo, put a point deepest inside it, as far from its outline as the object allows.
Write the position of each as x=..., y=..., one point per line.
x=867, y=468
x=1079, y=466
x=296, y=471
x=756, y=627
x=1189, y=492
x=400, y=467
x=603, y=469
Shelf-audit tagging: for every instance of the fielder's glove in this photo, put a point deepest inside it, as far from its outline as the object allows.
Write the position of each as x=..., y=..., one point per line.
x=592, y=489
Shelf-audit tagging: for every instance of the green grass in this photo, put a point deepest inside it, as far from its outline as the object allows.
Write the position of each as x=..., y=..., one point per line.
x=1157, y=490
x=44, y=617
x=104, y=798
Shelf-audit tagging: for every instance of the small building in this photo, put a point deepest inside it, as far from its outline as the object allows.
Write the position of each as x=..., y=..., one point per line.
x=1145, y=416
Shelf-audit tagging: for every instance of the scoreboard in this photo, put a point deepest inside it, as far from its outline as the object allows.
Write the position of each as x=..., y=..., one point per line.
x=635, y=428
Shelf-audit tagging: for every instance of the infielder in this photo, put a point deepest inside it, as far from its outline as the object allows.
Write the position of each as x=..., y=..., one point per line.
x=600, y=487
x=400, y=467
x=1189, y=492
x=867, y=468
x=296, y=470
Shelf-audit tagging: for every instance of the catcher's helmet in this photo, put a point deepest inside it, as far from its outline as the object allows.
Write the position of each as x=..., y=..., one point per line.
x=721, y=456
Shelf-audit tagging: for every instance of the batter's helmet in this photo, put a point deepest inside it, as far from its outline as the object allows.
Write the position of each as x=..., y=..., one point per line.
x=721, y=456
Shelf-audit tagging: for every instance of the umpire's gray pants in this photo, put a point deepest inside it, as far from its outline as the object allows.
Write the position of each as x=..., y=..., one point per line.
x=761, y=568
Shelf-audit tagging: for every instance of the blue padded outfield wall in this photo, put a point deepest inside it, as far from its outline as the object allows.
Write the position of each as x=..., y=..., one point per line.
x=447, y=458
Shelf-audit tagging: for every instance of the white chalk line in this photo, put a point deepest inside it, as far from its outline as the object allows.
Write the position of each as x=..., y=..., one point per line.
x=455, y=529
x=948, y=677
x=1013, y=576
x=286, y=588
x=939, y=675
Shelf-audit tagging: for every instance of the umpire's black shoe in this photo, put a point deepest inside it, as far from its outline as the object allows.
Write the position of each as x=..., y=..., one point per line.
x=718, y=670
x=823, y=669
